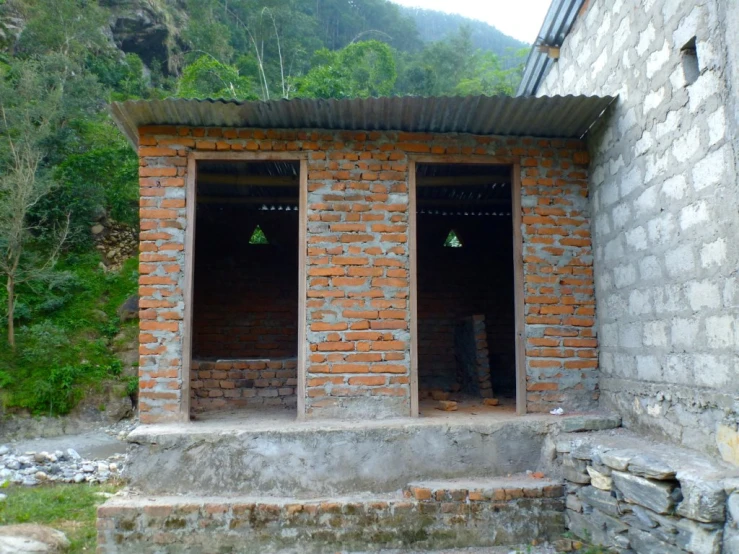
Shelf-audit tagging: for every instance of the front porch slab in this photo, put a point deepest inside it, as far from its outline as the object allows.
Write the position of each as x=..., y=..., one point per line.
x=239, y=453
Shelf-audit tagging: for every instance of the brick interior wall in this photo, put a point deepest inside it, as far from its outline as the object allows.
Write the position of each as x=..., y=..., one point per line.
x=455, y=283
x=227, y=384
x=246, y=296
x=357, y=312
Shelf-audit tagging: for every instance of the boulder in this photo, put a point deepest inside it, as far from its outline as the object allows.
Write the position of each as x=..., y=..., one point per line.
x=129, y=309
x=655, y=495
x=31, y=538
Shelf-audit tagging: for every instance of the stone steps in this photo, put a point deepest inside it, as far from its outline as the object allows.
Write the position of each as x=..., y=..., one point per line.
x=426, y=514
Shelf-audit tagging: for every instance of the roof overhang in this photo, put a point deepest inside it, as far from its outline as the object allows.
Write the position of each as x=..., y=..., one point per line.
x=557, y=23
x=547, y=117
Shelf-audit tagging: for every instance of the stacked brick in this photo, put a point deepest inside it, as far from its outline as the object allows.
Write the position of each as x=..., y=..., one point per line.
x=243, y=383
x=471, y=345
x=357, y=312
x=456, y=518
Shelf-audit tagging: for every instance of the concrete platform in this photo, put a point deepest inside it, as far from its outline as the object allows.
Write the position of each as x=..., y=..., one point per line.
x=451, y=514
x=242, y=453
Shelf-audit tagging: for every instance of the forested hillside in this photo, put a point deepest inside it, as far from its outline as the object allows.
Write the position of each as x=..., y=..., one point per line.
x=433, y=26
x=68, y=180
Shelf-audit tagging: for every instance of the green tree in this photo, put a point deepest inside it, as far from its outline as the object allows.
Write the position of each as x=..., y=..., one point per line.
x=360, y=70
x=209, y=78
x=24, y=180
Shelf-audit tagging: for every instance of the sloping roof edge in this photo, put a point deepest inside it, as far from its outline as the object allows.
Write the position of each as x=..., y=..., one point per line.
x=555, y=116
x=557, y=24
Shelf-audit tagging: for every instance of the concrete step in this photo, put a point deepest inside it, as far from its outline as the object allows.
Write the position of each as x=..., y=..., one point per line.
x=326, y=458
x=425, y=515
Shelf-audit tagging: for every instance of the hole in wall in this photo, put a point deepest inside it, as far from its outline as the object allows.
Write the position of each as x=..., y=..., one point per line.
x=690, y=62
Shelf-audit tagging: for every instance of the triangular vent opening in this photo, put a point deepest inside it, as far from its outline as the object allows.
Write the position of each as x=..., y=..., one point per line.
x=452, y=240
x=258, y=236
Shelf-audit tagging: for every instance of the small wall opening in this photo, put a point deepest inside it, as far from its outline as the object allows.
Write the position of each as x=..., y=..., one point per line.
x=690, y=63
x=245, y=293
x=465, y=277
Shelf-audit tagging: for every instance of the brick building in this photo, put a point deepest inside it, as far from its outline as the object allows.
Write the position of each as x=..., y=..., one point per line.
x=316, y=274
x=324, y=256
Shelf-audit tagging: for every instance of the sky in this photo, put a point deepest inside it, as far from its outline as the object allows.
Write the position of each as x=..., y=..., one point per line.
x=520, y=19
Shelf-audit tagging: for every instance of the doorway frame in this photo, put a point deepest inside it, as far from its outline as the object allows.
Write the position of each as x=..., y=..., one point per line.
x=190, y=204
x=518, y=276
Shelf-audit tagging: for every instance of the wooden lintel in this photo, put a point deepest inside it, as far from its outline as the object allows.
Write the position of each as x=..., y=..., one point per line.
x=247, y=180
x=246, y=200
x=461, y=180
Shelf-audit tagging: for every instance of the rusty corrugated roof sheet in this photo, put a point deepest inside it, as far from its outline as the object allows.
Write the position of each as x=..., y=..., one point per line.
x=555, y=116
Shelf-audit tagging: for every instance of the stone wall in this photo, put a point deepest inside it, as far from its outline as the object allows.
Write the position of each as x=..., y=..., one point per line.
x=664, y=202
x=230, y=384
x=357, y=311
x=627, y=493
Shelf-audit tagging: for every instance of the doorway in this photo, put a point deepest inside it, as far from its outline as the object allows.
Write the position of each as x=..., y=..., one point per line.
x=466, y=322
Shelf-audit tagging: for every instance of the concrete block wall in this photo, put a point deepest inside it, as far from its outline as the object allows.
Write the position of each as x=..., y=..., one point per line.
x=230, y=384
x=664, y=196
x=358, y=314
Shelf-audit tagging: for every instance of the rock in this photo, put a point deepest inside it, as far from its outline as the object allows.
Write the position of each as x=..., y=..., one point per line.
x=702, y=500
x=573, y=503
x=29, y=482
x=599, y=480
x=698, y=538
x=733, y=505
x=113, y=467
x=572, y=474
x=644, y=518
x=576, y=424
x=655, y=495
x=27, y=538
x=617, y=459
x=4, y=449
x=644, y=543
x=601, y=500
x=583, y=452
x=88, y=468
x=13, y=464
x=97, y=229
x=72, y=455
x=491, y=401
x=78, y=478
x=651, y=467
x=727, y=440
x=447, y=406
x=130, y=310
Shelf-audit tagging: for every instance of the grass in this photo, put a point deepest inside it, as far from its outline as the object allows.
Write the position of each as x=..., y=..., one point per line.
x=68, y=508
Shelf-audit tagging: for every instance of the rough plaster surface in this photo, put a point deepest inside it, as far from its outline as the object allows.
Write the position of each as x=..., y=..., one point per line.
x=664, y=201
x=311, y=459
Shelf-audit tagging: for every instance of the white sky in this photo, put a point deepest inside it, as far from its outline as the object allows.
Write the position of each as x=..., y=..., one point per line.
x=520, y=19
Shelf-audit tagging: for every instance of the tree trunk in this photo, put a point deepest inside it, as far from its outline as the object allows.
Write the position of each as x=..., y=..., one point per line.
x=10, y=286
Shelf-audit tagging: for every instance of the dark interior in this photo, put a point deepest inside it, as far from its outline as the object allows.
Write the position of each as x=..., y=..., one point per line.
x=465, y=271
x=246, y=283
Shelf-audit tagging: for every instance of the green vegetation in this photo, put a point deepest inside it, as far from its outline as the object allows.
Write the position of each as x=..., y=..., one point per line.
x=68, y=509
x=65, y=166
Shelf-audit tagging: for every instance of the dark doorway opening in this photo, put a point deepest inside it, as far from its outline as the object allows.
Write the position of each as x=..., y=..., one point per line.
x=465, y=284
x=245, y=291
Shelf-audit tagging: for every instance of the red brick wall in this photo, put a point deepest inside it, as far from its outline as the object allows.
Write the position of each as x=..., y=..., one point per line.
x=243, y=383
x=246, y=297
x=358, y=261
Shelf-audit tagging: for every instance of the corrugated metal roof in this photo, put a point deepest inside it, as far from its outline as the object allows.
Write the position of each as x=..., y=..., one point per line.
x=557, y=23
x=556, y=116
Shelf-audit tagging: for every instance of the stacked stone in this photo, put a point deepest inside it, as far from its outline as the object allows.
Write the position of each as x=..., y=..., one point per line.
x=242, y=383
x=645, y=499
x=36, y=468
x=472, y=356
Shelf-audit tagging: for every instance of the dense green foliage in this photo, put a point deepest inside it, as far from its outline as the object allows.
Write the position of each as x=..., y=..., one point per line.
x=59, y=69
x=69, y=509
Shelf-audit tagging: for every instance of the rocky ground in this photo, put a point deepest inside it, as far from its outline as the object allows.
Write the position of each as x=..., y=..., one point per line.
x=94, y=457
